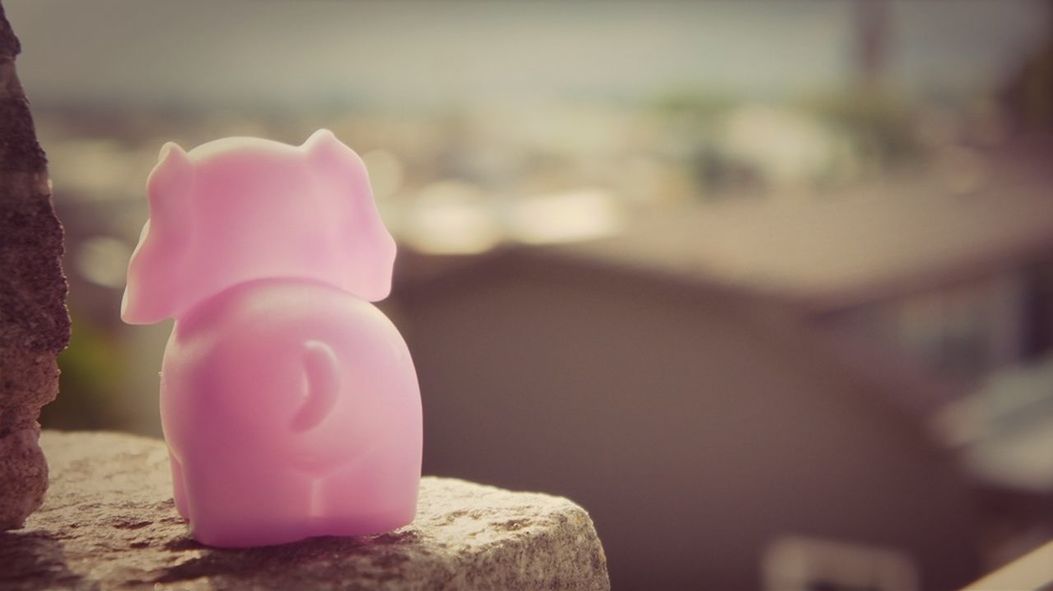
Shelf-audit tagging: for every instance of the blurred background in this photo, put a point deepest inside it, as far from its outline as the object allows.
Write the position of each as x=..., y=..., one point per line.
x=766, y=286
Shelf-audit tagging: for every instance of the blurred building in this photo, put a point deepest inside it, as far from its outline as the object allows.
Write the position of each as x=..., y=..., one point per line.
x=702, y=425
x=654, y=374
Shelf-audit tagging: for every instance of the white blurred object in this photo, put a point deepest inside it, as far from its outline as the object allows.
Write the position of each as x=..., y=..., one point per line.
x=451, y=217
x=103, y=260
x=1005, y=429
x=564, y=217
x=797, y=563
x=96, y=169
x=789, y=149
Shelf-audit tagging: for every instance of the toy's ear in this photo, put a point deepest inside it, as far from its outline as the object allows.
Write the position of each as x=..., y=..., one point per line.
x=151, y=294
x=168, y=185
x=370, y=249
x=323, y=145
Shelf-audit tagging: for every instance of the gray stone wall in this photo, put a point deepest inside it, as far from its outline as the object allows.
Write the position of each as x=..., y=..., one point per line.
x=34, y=325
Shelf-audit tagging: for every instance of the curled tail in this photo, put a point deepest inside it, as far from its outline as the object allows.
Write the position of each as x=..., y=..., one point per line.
x=322, y=371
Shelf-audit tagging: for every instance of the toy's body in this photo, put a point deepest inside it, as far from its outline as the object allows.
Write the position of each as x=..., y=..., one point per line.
x=289, y=402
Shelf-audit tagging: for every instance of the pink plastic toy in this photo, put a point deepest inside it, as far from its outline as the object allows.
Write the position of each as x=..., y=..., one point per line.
x=289, y=402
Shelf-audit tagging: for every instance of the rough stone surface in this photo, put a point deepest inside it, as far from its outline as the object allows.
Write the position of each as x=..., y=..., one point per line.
x=109, y=523
x=34, y=325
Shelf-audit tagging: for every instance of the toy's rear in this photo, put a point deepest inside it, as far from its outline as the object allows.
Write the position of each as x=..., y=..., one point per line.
x=289, y=402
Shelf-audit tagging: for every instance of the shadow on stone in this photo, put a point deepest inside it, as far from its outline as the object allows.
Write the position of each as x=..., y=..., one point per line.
x=315, y=559
x=36, y=560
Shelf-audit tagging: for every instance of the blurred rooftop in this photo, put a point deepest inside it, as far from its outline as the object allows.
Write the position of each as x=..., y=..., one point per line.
x=892, y=238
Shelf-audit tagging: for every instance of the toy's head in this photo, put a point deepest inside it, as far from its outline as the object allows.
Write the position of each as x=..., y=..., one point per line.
x=239, y=209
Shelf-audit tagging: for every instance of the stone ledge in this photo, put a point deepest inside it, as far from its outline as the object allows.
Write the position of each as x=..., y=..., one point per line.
x=108, y=522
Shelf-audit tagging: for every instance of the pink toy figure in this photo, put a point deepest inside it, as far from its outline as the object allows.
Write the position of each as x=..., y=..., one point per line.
x=289, y=402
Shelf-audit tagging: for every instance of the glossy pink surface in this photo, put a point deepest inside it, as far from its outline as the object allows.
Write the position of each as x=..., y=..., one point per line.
x=289, y=402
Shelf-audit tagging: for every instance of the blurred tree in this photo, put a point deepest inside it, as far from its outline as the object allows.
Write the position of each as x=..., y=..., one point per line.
x=92, y=371
x=1028, y=94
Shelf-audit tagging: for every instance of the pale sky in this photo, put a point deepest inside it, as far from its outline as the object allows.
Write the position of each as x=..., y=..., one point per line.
x=286, y=53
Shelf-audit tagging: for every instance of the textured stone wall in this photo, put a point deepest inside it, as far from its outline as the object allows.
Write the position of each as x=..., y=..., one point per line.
x=109, y=523
x=34, y=325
